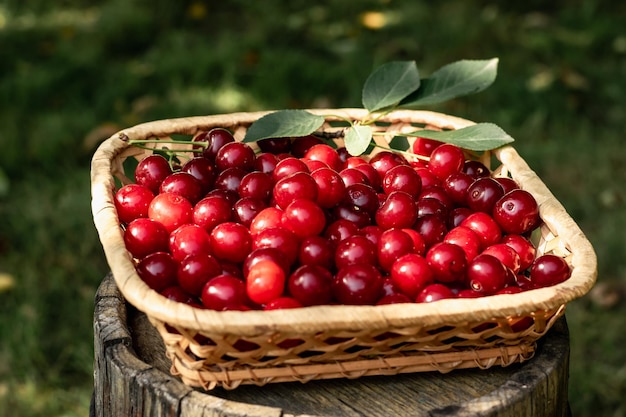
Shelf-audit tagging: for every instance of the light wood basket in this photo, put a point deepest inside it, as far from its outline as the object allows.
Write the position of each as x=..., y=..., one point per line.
x=212, y=349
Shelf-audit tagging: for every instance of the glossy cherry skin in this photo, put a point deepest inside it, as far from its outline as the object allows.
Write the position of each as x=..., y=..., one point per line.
x=265, y=282
x=302, y=144
x=299, y=185
x=304, y=218
x=171, y=210
x=506, y=254
x=359, y=284
x=385, y=160
x=330, y=185
x=424, y=146
x=280, y=238
x=432, y=228
x=132, y=202
x=355, y=250
x=288, y=166
x=151, y=171
x=517, y=212
x=195, y=271
x=411, y=273
x=216, y=138
x=224, y=292
x=188, y=239
x=549, y=270
x=448, y=262
x=158, y=270
x=486, y=274
x=211, y=211
x=476, y=169
x=256, y=185
x=145, y=236
x=324, y=153
x=446, y=159
x=483, y=194
x=235, y=155
x=434, y=292
x=392, y=244
x=484, y=226
x=203, y=170
x=184, y=184
x=402, y=178
x=397, y=211
x=362, y=196
x=316, y=250
x=524, y=248
x=267, y=218
x=466, y=239
x=311, y=285
x=230, y=242
x=246, y=209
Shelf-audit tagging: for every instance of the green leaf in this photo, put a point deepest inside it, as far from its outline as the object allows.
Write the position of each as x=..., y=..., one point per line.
x=454, y=80
x=478, y=137
x=283, y=124
x=357, y=139
x=389, y=84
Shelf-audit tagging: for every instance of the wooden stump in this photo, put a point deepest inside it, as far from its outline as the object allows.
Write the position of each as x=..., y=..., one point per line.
x=131, y=378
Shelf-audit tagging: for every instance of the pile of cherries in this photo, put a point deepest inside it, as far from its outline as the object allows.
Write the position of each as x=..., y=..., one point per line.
x=300, y=223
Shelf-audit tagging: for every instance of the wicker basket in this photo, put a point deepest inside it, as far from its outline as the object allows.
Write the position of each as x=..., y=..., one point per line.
x=225, y=349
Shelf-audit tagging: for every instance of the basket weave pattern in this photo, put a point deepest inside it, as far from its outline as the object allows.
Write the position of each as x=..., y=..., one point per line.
x=210, y=349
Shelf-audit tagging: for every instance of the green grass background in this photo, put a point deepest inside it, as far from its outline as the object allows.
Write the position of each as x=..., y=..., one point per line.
x=74, y=71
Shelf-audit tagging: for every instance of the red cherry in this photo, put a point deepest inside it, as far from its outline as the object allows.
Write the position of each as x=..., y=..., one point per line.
x=235, y=155
x=434, y=292
x=151, y=171
x=486, y=274
x=158, y=270
x=398, y=210
x=448, y=262
x=211, y=211
x=265, y=282
x=184, y=184
x=484, y=226
x=466, y=239
x=282, y=303
x=402, y=178
x=524, y=248
x=224, y=292
x=145, y=236
x=195, y=271
x=411, y=273
x=324, y=153
x=549, y=270
x=171, y=210
x=299, y=185
x=330, y=185
x=506, y=254
x=230, y=242
x=216, y=138
x=517, y=212
x=304, y=218
x=203, y=170
x=189, y=239
x=280, y=238
x=132, y=202
x=311, y=285
x=424, y=146
x=267, y=218
x=316, y=250
x=353, y=250
x=392, y=244
x=359, y=284
x=446, y=159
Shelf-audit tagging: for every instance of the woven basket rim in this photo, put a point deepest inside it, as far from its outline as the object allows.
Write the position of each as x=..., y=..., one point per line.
x=336, y=317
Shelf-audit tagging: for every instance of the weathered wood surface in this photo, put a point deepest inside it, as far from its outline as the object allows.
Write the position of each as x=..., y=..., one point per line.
x=131, y=378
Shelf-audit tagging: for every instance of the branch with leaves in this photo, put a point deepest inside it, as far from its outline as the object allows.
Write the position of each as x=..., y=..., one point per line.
x=393, y=86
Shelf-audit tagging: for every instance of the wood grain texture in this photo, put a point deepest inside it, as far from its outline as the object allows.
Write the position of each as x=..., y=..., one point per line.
x=131, y=378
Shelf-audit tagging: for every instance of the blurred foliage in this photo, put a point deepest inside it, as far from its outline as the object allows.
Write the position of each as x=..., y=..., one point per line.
x=72, y=72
